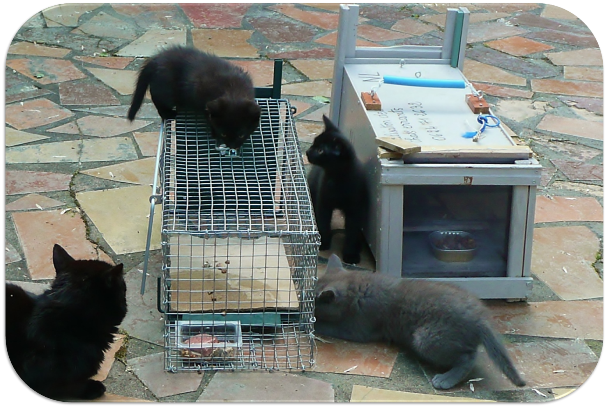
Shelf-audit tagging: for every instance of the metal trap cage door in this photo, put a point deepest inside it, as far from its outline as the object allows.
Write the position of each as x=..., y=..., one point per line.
x=239, y=245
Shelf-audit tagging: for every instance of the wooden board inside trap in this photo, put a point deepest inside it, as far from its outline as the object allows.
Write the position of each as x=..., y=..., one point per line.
x=230, y=274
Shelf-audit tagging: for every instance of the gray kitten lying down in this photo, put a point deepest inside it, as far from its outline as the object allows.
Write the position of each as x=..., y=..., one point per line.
x=441, y=323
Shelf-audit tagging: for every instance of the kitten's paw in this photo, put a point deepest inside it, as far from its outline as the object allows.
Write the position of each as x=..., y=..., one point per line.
x=443, y=382
x=92, y=390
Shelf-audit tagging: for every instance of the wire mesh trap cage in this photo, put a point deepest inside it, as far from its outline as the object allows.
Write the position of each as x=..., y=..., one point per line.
x=239, y=247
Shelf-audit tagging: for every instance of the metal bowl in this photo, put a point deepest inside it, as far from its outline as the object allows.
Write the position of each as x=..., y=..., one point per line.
x=453, y=246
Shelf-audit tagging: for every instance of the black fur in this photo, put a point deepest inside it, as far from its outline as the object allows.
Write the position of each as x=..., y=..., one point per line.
x=337, y=181
x=56, y=341
x=441, y=323
x=185, y=78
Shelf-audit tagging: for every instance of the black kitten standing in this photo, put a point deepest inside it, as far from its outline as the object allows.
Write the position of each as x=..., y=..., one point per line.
x=184, y=78
x=441, y=323
x=337, y=181
x=56, y=341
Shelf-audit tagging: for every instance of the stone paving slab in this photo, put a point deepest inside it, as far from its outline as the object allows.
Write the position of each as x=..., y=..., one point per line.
x=32, y=201
x=71, y=71
x=39, y=231
x=110, y=209
x=150, y=370
x=363, y=394
x=265, y=387
x=563, y=258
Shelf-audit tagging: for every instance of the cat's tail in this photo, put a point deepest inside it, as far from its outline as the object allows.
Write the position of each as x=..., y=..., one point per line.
x=497, y=352
x=143, y=81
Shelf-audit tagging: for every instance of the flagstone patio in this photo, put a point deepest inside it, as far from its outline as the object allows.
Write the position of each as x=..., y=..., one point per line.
x=79, y=174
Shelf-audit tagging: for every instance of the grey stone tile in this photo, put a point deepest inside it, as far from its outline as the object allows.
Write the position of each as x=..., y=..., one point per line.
x=266, y=387
x=150, y=370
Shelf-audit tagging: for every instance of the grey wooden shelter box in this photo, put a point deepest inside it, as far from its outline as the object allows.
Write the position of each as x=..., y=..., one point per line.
x=483, y=187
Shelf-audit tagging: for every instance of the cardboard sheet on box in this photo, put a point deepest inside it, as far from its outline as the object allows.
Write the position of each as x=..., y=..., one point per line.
x=230, y=274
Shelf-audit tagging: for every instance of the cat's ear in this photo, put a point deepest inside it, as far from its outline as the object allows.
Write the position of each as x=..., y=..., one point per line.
x=117, y=271
x=334, y=264
x=328, y=124
x=61, y=259
x=326, y=296
x=113, y=274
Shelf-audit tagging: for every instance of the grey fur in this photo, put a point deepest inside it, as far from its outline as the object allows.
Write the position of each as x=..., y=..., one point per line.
x=441, y=323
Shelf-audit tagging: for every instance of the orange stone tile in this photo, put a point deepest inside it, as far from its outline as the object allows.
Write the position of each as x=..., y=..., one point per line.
x=46, y=71
x=367, y=359
x=147, y=142
x=39, y=231
x=518, y=46
x=566, y=209
x=314, y=88
x=132, y=172
x=377, y=34
x=102, y=126
x=502, y=91
x=300, y=106
x=308, y=131
x=574, y=88
x=480, y=72
x=34, y=113
x=32, y=201
x=315, y=69
x=227, y=15
x=573, y=127
x=25, y=182
x=412, y=26
x=562, y=257
x=28, y=48
x=107, y=62
x=331, y=39
x=328, y=21
x=225, y=43
x=586, y=57
x=581, y=73
x=555, y=363
x=558, y=13
x=550, y=319
x=492, y=30
x=578, y=170
x=261, y=72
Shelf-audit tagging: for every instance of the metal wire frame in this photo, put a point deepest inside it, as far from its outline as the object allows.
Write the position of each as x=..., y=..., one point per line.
x=239, y=245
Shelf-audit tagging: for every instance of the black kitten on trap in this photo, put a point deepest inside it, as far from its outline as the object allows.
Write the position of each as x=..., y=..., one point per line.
x=56, y=341
x=184, y=78
x=441, y=323
x=337, y=181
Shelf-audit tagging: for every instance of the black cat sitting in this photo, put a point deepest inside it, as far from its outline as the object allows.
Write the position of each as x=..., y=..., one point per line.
x=337, y=181
x=56, y=341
